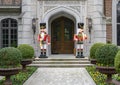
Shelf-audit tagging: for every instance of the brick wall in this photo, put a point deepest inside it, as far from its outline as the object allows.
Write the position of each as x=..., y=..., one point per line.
x=108, y=13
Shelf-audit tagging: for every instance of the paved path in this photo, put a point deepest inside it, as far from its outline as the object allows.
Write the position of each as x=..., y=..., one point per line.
x=1, y=77
x=60, y=76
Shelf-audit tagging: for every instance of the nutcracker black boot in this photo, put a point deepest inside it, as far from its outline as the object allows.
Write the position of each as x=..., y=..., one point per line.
x=81, y=56
x=45, y=56
x=78, y=54
x=41, y=55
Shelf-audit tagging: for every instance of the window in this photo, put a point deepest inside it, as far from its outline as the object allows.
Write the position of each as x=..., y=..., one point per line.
x=9, y=32
x=118, y=23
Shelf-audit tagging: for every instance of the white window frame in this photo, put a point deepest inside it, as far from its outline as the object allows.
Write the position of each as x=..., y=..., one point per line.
x=114, y=21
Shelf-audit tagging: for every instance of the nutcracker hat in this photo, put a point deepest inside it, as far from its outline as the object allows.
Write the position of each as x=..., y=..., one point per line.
x=42, y=25
x=80, y=25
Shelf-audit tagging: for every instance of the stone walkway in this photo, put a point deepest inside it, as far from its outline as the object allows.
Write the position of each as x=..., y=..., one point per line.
x=60, y=76
x=1, y=77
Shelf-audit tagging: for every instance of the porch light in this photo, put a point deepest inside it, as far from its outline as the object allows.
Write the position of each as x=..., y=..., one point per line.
x=89, y=24
x=34, y=25
x=89, y=27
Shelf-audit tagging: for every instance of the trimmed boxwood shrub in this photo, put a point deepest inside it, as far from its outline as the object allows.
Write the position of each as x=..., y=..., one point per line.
x=117, y=62
x=105, y=54
x=26, y=50
x=10, y=57
x=94, y=48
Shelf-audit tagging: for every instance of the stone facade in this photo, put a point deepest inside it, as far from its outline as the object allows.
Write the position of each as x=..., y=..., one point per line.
x=76, y=10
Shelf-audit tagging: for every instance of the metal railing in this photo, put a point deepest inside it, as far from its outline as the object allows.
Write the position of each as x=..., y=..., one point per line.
x=10, y=2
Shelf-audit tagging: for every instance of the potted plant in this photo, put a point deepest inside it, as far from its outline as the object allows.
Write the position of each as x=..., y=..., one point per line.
x=105, y=57
x=27, y=54
x=10, y=58
x=93, y=50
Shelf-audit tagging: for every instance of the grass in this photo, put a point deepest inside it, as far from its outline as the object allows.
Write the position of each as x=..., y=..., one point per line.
x=98, y=77
x=20, y=78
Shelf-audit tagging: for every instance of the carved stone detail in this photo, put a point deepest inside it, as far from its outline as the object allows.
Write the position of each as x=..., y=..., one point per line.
x=63, y=2
x=46, y=8
x=78, y=8
x=46, y=5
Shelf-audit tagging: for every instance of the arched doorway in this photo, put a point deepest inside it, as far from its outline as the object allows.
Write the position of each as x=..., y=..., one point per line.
x=62, y=30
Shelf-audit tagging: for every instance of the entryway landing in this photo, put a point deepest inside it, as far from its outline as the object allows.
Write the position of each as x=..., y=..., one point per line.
x=61, y=60
x=62, y=56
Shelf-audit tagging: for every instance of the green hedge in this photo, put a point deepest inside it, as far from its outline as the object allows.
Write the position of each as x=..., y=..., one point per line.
x=94, y=48
x=117, y=62
x=105, y=54
x=26, y=50
x=10, y=57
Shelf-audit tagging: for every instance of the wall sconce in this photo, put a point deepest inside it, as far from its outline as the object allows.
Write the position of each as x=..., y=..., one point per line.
x=89, y=24
x=34, y=25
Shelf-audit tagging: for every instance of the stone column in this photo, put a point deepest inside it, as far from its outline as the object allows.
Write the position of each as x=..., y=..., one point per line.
x=99, y=27
x=95, y=11
x=90, y=13
x=25, y=30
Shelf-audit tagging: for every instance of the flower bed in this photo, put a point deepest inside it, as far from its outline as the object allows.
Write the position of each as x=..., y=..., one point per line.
x=98, y=77
x=20, y=78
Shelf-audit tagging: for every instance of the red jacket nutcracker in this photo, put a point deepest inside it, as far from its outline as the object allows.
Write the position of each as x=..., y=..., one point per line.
x=44, y=40
x=79, y=38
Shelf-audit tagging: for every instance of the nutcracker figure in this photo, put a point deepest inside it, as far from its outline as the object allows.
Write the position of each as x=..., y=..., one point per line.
x=79, y=39
x=44, y=40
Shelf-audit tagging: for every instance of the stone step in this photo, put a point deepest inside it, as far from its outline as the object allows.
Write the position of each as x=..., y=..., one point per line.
x=61, y=62
x=59, y=59
x=61, y=65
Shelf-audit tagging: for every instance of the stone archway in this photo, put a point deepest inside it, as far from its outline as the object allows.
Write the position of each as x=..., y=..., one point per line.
x=58, y=12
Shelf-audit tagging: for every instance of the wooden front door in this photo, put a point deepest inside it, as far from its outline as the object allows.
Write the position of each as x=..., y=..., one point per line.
x=62, y=36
